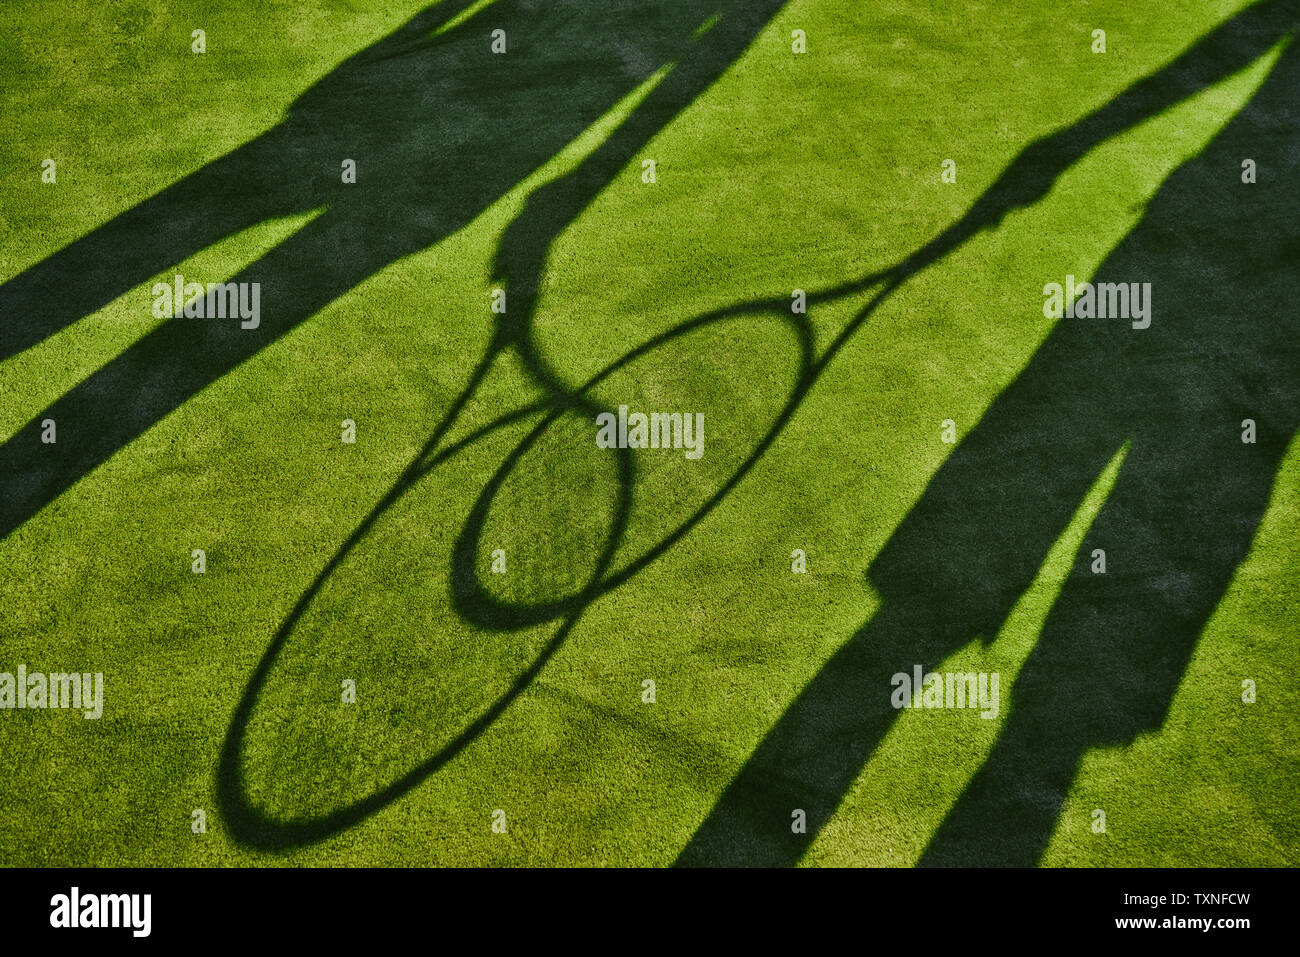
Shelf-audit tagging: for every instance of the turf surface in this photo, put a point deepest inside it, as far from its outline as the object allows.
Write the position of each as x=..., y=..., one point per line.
x=522, y=691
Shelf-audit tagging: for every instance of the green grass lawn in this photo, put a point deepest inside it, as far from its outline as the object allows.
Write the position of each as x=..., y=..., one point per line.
x=371, y=562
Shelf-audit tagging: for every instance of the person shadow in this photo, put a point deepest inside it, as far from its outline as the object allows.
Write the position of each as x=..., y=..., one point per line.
x=439, y=128
x=1223, y=260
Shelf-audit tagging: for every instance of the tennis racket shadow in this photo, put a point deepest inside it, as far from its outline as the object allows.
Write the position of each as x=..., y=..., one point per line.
x=521, y=259
x=557, y=432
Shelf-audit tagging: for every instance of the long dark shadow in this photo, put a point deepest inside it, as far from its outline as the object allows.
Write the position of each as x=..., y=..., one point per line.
x=1224, y=346
x=1221, y=348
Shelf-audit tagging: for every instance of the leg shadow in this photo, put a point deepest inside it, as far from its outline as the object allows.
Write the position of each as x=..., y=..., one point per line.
x=1221, y=256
